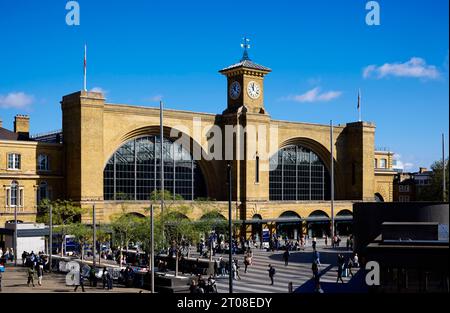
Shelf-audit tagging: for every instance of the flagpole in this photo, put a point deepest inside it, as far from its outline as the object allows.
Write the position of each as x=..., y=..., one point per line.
x=359, y=105
x=84, y=72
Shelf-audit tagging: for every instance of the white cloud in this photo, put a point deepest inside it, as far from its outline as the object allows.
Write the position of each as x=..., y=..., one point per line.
x=155, y=98
x=99, y=89
x=400, y=165
x=16, y=100
x=314, y=95
x=415, y=67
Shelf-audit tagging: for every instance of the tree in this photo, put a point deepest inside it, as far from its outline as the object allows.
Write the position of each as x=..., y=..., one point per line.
x=433, y=192
x=64, y=213
x=82, y=234
x=126, y=228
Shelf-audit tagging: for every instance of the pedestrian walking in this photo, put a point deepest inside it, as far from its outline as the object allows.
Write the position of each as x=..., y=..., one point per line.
x=80, y=281
x=316, y=257
x=30, y=273
x=24, y=258
x=271, y=271
x=105, y=278
x=110, y=281
x=286, y=257
x=92, y=277
x=314, y=243
x=349, y=266
x=340, y=269
x=247, y=262
x=356, y=260
x=237, y=269
x=40, y=273
x=316, y=277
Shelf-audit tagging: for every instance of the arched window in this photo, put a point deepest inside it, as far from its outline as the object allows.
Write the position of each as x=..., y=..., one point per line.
x=14, y=195
x=43, y=163
x=42, y=192
x=297, y=173
x=133, y=172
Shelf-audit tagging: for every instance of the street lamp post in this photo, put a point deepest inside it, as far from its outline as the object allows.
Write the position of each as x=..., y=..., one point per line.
x=15, y=236
x=94, y=230
x=332, y=182
x=50, y=239
x=443, y=170
x=152, y=251
x=230, y=231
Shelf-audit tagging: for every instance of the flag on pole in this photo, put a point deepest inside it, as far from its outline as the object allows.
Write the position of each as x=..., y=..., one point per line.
x=359, y=105
x=84, y=69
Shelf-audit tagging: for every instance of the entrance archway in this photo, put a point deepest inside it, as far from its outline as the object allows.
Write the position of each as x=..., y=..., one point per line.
x=344, y=227
x=289, y=226
x=318, y=224
x=256, y=227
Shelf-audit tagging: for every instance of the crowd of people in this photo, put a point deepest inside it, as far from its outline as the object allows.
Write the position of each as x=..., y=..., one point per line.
x=35, y=264
x=7, y=255
x=201, y=285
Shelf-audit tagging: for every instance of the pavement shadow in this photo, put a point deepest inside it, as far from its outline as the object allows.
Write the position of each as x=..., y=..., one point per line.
x=355, y=285
x=326, y=257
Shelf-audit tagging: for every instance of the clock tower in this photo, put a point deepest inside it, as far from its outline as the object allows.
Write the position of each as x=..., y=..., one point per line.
x=245, y=84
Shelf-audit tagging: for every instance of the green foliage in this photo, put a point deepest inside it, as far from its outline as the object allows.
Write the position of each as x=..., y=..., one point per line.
x=157, y=194
x=125, y=228
x=81, y=232
x=122, y=196
x=433, y=192
x=103, y=233
x=63, y=212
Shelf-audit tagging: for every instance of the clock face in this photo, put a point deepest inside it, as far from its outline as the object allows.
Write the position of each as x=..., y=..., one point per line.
x=253, y=90
x=235, y=90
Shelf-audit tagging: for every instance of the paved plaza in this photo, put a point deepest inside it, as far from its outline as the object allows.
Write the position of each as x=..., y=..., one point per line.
x=256, y=280
x=15, y=281
x=298, y=271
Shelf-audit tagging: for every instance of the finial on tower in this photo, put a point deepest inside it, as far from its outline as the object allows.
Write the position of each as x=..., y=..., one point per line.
x=245, y=45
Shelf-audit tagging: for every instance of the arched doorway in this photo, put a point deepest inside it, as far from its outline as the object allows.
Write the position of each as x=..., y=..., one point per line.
x=213, y=222
x=318, y=224
x=257, y=227
x=344, y=223
x=289, y=225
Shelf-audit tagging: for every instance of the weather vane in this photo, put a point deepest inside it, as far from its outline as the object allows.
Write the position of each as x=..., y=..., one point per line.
x=245, y=45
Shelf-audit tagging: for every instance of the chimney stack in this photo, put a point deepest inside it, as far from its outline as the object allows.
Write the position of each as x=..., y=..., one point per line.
x=422, y=170
x=22, y=125
x=1, y=123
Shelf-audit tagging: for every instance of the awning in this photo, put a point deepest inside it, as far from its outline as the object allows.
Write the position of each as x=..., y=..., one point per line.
x=347, y=218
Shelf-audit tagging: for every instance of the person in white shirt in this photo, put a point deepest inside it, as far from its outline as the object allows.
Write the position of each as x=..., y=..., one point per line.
x=355, y=260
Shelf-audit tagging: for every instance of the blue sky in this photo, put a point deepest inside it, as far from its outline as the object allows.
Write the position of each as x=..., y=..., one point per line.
x=140, y=50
